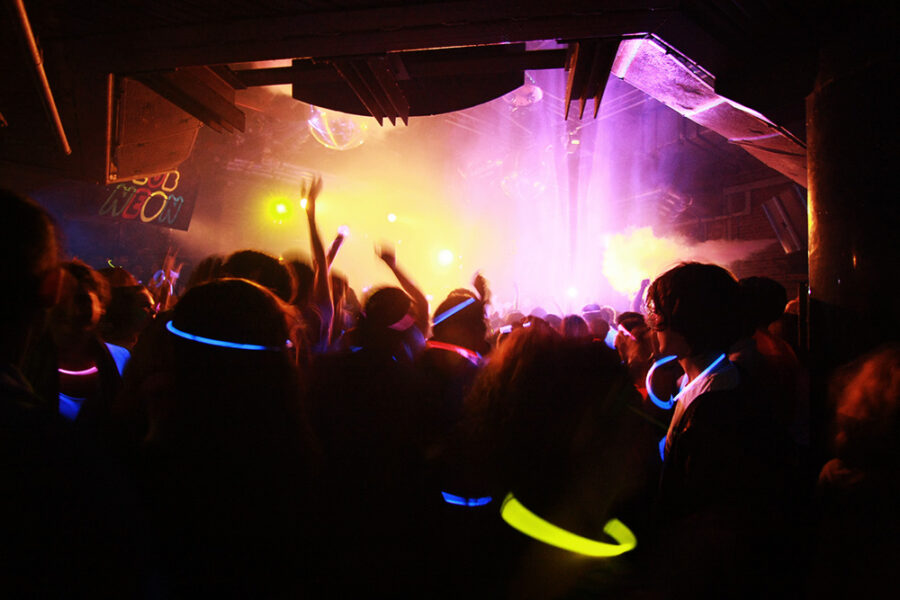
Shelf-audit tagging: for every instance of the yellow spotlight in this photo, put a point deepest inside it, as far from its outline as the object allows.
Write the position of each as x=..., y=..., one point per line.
x=303, y=203
x=279, y=209
x=391, y=217
x=445, y=257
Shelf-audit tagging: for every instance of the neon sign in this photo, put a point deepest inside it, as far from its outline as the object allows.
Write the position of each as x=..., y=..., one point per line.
x=150, y=199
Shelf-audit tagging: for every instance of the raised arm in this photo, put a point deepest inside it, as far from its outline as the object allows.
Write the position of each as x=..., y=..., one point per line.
x=335, y=246
x=322, y=287
x=419, y=302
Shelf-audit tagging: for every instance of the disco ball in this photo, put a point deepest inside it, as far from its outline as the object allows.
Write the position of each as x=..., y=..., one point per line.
x=336, y=130
x=525, y=95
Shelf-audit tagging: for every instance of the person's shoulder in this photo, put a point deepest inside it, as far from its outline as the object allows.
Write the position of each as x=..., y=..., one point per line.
x=720, y=407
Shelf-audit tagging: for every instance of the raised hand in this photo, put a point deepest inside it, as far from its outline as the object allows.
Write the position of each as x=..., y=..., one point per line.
x=481, y=286
x=386, y=253
x=170, y=270
x=310, y=190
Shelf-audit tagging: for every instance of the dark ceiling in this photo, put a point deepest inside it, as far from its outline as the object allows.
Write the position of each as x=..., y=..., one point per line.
x=109, y=63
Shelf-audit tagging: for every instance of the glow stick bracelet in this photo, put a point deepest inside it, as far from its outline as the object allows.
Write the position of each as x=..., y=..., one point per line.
x=520, y=518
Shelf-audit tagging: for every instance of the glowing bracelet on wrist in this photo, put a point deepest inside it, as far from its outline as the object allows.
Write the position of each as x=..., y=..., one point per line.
x=460, y=501
x=520, y=518
x=220, y=343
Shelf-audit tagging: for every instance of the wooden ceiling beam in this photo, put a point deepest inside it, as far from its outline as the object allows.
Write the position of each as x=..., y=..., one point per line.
x=201, y=93
x=588, y=66
x=435, y=63
x=365, y=32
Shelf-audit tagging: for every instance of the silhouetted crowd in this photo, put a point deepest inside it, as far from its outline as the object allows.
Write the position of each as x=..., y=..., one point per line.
x=256, y=430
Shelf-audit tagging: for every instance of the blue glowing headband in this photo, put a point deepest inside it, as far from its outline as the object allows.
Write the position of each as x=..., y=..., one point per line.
x=221, y=343
x=452, y=311
x=520, y=518
x=460, y=501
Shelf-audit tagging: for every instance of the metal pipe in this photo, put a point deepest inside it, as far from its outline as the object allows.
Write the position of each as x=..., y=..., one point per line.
x=47, y=94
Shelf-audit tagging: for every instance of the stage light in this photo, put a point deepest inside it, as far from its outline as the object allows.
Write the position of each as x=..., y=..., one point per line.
x=445, y=257
x=303, y=202
x=279, y=209
x=391, y=217
x=344, y=230
x=572, y=292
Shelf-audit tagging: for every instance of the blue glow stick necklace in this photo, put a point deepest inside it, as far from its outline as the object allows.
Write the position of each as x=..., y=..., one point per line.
x=665, y=405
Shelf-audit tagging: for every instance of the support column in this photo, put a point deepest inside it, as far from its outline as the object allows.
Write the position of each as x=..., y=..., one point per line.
x=854, y=204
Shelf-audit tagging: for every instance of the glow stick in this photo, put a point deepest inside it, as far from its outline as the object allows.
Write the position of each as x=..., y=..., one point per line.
x=470, y=355
x=403, y=324
x=625, y=332
x=460, y=501
x=693, y=382
x=665, y=405
x=662, y=448
x=452, y=311
x=69, y=406
x=89, y=371
x=520, y=518
x=220, y=343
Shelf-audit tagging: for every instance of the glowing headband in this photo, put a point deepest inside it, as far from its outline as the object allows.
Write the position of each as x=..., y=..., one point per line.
x=673, y=400
x=625, y=331
x=404, y=323
x=470, y=355
x=460, y=501
x=520, y=518
x=452, y=311
x=221, y=343
x=89, y=371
